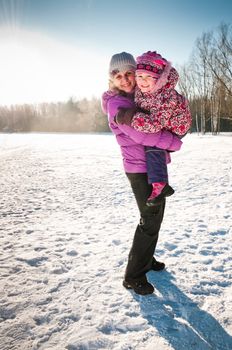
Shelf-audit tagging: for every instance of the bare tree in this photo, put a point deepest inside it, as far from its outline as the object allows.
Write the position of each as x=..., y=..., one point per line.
x=220, y=58
x=207, y=79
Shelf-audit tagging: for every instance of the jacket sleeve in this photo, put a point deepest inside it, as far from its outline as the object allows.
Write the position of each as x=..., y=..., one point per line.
x=181, y=121
x=162, y=139
x=146, y=122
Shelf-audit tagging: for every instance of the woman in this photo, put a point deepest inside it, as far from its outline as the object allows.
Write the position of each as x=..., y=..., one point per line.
x=121, y=94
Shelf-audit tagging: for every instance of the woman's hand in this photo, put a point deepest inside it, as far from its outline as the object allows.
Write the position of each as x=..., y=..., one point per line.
x=125, y=115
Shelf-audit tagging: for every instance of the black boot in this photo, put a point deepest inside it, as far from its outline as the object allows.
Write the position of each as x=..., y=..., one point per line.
x=157, y=265
x=139, y=285
x=166, y=192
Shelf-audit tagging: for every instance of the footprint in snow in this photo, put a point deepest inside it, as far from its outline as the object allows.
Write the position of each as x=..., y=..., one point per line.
x=34, y=262
x=170, y=246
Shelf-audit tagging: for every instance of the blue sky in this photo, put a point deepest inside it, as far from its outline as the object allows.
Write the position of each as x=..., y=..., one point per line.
x=104, y=27
x=111, y=26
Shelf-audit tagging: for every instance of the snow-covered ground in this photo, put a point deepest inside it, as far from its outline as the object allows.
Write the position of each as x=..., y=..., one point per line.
x=67, y=219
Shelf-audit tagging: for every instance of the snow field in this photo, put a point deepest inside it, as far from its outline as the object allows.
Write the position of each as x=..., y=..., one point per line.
x=67, y=223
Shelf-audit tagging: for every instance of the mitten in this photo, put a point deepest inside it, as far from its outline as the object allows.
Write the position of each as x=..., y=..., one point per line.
x=125, y=115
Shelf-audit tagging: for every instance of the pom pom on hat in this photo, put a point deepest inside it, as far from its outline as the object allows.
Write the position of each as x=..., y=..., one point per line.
x=121, y=62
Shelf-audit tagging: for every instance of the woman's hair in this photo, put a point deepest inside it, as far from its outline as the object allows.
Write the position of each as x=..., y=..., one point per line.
x=114, y=89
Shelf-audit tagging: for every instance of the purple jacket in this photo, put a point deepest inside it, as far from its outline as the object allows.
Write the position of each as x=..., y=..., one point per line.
x=131, y=141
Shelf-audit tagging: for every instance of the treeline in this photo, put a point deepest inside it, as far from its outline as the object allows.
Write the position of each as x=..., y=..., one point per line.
x=71, y=116
x=207, y=81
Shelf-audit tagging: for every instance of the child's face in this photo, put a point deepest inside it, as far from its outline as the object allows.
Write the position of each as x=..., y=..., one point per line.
x=124, y=81
x=145, y=82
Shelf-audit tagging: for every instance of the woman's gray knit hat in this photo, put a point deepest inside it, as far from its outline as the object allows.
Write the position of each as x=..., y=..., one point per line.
x=121, y=62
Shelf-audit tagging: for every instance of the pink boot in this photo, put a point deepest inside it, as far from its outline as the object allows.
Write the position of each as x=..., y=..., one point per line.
x=160, y=190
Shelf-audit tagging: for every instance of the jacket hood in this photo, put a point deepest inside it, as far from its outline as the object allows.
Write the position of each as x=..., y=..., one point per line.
x=168, y=79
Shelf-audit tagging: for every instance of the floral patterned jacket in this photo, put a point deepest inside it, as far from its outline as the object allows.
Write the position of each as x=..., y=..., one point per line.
x=164, y=109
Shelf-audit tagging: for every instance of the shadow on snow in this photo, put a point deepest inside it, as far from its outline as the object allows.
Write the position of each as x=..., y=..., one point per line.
x=179, y=320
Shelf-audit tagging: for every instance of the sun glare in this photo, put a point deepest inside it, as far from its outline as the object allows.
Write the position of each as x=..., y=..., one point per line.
x=35, y=68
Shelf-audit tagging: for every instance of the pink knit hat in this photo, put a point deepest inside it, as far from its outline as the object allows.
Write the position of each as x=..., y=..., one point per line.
x=154, y=64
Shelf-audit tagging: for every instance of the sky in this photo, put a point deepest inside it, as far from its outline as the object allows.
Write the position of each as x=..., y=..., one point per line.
x=51, y=50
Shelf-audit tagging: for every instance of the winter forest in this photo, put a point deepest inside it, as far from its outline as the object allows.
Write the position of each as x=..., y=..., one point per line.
x=206, y=80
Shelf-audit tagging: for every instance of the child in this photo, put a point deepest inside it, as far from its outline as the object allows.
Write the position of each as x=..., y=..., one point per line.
x=160, y=107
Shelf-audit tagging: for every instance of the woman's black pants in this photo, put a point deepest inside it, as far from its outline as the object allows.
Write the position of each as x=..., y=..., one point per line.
x=147, y=231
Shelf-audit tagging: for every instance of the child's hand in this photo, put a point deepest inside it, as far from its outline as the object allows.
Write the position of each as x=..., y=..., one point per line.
x=125, y=115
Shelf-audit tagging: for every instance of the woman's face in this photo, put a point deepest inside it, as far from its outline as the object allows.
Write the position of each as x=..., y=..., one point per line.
x=124, y=81
x=145, y=82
